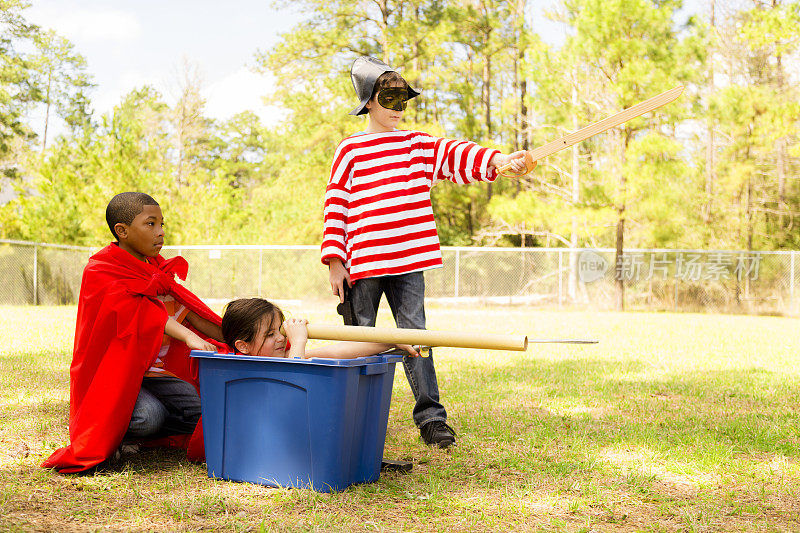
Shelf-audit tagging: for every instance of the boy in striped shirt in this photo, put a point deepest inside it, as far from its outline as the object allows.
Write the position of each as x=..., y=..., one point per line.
x=379, y=230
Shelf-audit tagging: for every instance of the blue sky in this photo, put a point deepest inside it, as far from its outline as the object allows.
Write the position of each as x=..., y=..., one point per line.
x=128, y=44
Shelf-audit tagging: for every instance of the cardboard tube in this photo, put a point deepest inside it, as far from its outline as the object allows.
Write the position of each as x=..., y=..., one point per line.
x=455, y=339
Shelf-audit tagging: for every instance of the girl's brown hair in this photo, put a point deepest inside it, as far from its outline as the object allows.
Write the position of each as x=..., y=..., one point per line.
x=242, y=317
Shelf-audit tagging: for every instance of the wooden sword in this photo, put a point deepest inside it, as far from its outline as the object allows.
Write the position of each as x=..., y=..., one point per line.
x=532, y=156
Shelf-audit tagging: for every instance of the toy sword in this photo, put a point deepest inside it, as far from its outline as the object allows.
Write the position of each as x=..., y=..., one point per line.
x=532, y=156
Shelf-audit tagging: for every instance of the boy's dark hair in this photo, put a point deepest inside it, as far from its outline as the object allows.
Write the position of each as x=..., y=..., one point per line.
x=388, y=79
x=242, y=317
x=124, y=207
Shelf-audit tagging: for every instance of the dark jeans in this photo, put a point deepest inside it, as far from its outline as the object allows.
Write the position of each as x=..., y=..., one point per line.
x=406, y=297
x=165, y=406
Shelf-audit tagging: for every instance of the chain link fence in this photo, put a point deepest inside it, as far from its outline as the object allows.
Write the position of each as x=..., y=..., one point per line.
x=41, y=274
x=714, y=281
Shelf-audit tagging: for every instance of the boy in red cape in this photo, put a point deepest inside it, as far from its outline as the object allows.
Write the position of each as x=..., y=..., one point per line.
x=131, y=376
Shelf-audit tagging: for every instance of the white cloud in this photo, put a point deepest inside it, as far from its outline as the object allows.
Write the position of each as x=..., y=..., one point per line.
x=88, y=25
x=103, y=101
x=242, y=90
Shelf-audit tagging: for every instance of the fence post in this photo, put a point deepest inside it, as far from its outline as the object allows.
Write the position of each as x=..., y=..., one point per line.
x=675, y=297
x=260, y=263
x=35, y=274
x=791, y=279
x=560, y=278
x=458, y=263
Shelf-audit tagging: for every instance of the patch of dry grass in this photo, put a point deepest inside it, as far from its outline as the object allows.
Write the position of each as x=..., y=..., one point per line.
x=671, y=423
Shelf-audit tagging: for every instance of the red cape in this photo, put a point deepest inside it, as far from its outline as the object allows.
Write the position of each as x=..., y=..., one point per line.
x=119, y=331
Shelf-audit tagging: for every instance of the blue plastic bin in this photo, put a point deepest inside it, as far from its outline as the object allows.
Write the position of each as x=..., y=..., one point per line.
x=305, y=423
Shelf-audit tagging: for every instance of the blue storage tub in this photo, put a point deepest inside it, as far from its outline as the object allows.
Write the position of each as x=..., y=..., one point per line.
x=305, y=423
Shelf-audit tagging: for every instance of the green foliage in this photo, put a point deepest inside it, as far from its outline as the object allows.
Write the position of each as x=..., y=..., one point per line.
x=18, y=90
x=661, y=205
x=716, y=168
x=133, y=148
x=61, y=74
x=758, y=116
x=774, y=28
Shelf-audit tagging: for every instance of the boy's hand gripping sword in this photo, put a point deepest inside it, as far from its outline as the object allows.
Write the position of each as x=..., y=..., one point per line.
x=532, y=156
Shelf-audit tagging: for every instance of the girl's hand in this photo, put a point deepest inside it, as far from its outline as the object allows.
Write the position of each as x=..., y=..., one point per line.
x=296, y=330
x=413, y=351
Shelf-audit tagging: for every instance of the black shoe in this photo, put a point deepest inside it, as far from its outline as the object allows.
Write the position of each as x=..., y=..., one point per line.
x=437, y=433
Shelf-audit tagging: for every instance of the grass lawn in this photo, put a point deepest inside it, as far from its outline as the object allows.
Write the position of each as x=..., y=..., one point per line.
x=672, y=423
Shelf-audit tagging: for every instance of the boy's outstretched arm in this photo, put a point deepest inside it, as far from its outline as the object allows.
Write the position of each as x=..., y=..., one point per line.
x=177, y=331
x=338, y=276
x=517, y=160
x=209, y=329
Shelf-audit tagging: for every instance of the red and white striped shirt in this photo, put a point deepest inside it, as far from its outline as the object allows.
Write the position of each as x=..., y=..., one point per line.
x=378, y=214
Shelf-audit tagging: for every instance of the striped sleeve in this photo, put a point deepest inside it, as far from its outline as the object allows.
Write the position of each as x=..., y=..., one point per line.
x=337, y=205
x=462, y=161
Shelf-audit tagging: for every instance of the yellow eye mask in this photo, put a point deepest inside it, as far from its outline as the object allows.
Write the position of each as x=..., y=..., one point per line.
x=394, y=98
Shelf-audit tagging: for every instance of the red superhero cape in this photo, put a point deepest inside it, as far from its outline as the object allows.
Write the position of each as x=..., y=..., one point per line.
x=120, y=327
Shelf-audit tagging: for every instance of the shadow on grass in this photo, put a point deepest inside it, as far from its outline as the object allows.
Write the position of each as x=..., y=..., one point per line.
x=147, y=462
x=34, y=406
x=529, y=431
x=711, y=414
x=42, y=500
x=151, y=461
x=614, y=438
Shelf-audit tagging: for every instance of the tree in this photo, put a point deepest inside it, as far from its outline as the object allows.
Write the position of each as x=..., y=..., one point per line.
x=18, y=88
x=757, y=114
x=132, y=149
x=78, y=175
x=635, y=52
x=312, y=64
x=64, y=81
x=191, y=128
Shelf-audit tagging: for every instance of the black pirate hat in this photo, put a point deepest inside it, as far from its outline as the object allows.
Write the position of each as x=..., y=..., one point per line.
x=364, y=73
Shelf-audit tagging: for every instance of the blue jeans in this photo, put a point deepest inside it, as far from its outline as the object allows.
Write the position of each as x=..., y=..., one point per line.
x=165, y=406
x=406, y=296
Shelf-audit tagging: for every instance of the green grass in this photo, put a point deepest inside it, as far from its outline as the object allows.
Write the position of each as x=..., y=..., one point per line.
x=671, y=423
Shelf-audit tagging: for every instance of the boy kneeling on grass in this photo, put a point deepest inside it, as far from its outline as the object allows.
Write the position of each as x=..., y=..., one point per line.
x=130, y=376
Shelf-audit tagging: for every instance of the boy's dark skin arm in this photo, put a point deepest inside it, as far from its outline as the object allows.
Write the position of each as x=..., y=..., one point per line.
x=178, y=331
x=207, y=328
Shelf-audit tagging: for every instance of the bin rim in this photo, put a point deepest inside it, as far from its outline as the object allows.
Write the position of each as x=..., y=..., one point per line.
x=357, y=361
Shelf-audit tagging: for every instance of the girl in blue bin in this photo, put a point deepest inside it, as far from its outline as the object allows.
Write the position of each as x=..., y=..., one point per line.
x=252, y=326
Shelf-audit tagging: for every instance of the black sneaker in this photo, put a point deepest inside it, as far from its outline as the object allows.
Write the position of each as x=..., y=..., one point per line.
x=437, y=433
